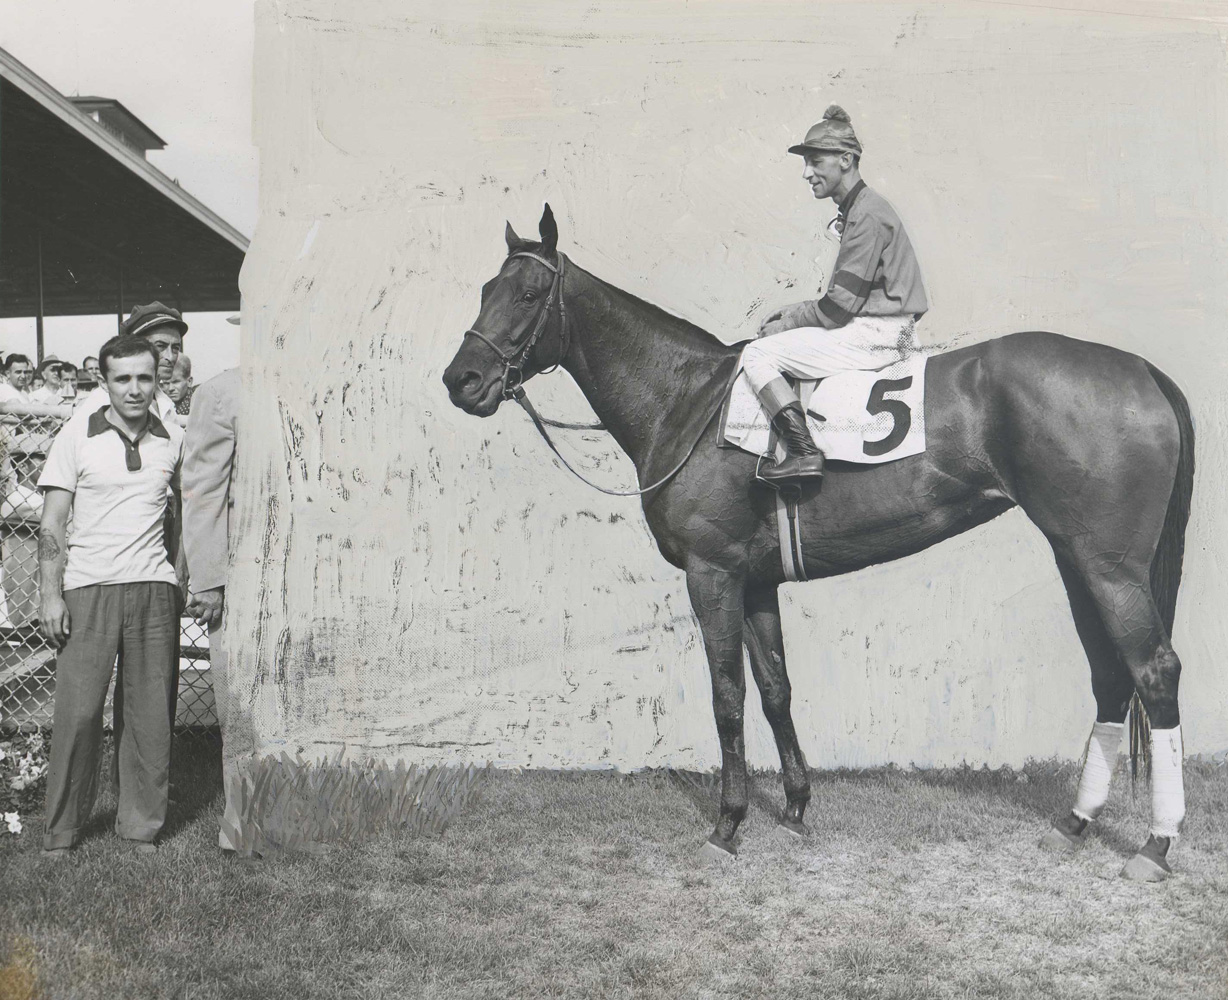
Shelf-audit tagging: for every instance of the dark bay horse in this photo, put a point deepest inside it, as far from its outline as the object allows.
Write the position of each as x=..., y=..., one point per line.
x=1094, y=444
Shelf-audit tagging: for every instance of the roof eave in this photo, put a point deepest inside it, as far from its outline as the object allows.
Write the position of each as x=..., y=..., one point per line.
x=39, y=90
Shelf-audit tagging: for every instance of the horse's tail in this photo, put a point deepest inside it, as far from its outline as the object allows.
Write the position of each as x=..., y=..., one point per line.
x=1170, y=551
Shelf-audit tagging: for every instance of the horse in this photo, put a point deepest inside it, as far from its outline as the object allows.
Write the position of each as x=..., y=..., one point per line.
x=1094, y=444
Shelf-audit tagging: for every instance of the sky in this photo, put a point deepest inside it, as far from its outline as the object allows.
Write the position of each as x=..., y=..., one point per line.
x=184, y=69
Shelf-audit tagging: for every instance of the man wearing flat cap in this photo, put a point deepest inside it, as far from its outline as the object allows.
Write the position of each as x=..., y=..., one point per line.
x=867, y=318
x=163, y=327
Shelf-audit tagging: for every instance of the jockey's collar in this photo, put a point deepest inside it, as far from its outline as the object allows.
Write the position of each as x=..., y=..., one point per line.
x=843, y=208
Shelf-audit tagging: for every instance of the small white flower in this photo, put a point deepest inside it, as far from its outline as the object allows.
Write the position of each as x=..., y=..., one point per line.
x=13, y=822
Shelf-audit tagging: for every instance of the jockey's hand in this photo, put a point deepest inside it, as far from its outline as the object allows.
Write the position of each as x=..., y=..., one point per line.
x=777, y=322
x=782, y=319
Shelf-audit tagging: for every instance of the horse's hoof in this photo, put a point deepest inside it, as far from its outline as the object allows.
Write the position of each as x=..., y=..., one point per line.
x=1061, y=842
x=715, y=852
x=792, y=832
x=1141, y=868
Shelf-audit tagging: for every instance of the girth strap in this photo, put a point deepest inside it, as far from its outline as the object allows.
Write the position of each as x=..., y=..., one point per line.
x=788, y=520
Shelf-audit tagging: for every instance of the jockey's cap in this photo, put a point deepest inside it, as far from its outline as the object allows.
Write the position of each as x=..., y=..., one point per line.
x=834, y=134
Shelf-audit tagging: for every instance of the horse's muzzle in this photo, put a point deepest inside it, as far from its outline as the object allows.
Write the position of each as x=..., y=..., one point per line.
x=471, y=391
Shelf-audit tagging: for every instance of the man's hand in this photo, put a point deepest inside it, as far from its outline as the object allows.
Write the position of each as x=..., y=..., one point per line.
x=785, y=318
x=208, y=606
x=182, y=581
x=54, y=620
x=773, y=324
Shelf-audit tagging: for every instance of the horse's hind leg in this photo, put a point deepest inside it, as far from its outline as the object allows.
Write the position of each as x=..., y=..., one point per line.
x=1135, y=628
x=1113, y=687
x=765, y=643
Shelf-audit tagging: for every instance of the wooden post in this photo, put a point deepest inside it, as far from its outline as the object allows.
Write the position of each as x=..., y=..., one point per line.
x=38, y=323
x=119, y=305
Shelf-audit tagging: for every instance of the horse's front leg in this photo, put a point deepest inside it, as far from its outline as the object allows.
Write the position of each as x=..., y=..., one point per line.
x=766, y=646
x=717, y=599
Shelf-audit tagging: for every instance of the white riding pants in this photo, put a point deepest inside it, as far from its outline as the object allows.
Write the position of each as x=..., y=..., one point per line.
x=865, y=343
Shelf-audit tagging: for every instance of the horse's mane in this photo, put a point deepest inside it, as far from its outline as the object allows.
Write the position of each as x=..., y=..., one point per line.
x=684, y=330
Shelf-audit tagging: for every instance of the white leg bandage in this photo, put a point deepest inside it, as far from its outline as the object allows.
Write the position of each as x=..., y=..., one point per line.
x=1098, y=764
x=1167, y=787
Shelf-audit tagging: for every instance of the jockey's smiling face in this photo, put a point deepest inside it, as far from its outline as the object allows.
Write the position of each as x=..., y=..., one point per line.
x=828, y=173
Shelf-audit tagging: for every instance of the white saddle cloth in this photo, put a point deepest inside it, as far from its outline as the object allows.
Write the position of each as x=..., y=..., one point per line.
x=869, y=416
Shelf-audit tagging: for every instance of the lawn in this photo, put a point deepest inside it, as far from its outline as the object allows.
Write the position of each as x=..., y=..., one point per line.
x=581, y=885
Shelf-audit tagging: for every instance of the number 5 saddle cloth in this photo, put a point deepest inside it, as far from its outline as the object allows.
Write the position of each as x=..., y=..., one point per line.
x=867, y=417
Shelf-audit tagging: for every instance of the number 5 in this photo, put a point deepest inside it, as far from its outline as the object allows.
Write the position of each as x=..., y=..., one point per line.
x=901, y=415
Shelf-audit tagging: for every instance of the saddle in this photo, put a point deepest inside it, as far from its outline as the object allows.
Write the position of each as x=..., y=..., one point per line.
x=864, y=417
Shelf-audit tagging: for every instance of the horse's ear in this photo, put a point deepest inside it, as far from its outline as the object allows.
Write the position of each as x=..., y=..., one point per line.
x=549, y=230
x=514, y=242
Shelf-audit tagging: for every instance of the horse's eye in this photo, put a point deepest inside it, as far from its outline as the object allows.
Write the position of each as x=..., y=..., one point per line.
x=528, y=297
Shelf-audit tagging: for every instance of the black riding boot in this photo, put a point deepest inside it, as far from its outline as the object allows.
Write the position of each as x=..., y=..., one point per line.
x=802, y=460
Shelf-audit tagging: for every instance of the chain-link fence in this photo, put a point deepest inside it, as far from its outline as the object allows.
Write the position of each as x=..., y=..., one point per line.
x=27, y=660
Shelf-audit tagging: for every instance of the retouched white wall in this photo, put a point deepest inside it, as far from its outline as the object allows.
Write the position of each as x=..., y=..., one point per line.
x=420, y=584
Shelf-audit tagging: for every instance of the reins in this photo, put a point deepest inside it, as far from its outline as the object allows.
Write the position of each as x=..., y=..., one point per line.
x=523, y=400
x=513, y=387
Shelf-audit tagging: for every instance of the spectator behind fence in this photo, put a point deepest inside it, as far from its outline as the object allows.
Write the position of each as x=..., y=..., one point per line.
x=55, y=389
x=179, y=386
x=25, y=499
x=28, y=426
x=112, y=471
x=68, y=381
x=22, y=509
x=208, y=496
x=91, y=369
x=16, y=401
x=163, y=328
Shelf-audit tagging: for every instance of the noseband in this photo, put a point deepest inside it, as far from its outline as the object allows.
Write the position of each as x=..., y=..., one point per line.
x=513, y=362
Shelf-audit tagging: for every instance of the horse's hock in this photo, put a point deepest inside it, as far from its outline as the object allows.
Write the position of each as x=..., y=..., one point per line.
x=428, y=586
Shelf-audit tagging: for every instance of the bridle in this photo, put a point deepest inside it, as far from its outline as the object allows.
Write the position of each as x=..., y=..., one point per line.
x=514, y=362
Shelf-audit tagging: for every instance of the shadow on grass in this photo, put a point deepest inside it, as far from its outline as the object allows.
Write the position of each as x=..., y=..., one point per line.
x=701, y=788
x=195, y=784
x=1042, y=791
x=196, y=778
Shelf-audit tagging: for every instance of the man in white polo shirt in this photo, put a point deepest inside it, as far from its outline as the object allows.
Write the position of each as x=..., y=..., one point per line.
x=111, y=471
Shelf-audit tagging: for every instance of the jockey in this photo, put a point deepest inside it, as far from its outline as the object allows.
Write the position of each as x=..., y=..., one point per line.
x=867, y=318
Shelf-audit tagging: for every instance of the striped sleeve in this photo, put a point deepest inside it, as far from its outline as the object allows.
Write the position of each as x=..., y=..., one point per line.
x=861, y=249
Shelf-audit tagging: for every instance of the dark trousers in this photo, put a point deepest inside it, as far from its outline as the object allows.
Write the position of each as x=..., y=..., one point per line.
x=139, y=623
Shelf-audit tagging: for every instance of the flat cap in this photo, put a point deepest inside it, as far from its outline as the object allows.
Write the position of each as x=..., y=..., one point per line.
x=145, y=318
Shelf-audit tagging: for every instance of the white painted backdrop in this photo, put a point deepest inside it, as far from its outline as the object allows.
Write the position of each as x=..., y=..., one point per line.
x=420, y=584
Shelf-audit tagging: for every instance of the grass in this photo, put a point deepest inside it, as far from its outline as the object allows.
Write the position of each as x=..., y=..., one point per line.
x=583, y=885
x=287, y=804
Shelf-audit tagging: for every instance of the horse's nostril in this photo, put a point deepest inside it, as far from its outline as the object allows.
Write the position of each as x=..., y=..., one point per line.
x=462, y=382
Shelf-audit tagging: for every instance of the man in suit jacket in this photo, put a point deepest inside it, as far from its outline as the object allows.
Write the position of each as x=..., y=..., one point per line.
x=208, y=466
